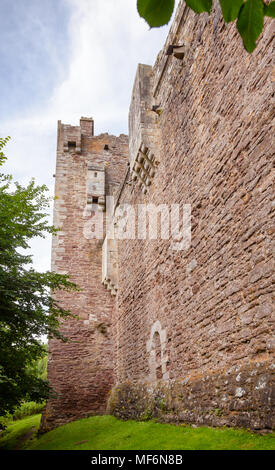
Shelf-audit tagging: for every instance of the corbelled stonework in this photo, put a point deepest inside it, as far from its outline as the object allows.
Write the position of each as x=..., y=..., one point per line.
x=188, y=334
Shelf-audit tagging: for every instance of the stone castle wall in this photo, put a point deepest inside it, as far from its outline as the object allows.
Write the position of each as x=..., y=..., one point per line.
x=195, y=330
x=188, y=336
x=81, y=370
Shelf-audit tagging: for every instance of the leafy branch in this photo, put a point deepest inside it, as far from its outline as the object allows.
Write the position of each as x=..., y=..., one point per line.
x=3, y=142
x=248, y=13
x=28, y=307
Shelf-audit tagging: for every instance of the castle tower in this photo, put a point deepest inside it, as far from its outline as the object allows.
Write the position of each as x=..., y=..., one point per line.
x=88, y=168
x=190, y=337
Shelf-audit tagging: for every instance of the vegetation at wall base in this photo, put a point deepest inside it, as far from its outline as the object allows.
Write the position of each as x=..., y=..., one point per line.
x=109, y=433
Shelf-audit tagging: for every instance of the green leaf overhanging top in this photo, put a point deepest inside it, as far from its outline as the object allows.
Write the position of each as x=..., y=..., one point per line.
x=250, y=23
x=156, y=12
x=269, y=10
x=199, y=6
x=230, y=9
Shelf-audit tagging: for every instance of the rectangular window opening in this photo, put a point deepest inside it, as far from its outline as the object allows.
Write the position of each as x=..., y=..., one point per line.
x=71, y=145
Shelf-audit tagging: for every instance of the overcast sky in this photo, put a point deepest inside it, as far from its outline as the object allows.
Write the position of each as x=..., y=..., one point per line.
x=63, y=59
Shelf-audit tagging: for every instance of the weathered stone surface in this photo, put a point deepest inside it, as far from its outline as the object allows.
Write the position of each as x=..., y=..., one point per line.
x=213, y=300
x=190, y=335
x=81, y=371
x=240, y=396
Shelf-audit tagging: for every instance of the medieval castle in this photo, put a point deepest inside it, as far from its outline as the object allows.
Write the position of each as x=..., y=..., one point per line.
x=184, y=335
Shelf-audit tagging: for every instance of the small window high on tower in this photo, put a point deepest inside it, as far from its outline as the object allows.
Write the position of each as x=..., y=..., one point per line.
x=71, y=146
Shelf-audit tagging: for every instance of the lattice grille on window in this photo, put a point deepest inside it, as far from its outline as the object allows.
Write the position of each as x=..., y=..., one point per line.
x=144, y=168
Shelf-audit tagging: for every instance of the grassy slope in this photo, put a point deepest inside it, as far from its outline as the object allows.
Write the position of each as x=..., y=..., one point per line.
x=14, y=436
x=106, y=432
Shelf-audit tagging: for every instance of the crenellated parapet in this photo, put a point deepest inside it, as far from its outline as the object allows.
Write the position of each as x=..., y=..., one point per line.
x=70, y=137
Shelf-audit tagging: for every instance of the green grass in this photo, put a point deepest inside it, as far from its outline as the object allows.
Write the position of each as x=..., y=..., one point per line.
x=13, y=437
x=24, y=410
x=109, y=433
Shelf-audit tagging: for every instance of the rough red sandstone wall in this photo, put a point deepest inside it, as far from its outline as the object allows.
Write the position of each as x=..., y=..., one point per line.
x=81, y=371
x=190, y=338
x=210, y=306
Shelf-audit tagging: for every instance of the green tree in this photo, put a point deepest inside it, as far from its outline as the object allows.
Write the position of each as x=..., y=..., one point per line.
x=39, y=366
x=2, y=144
x=28, y=309
x=249, y=14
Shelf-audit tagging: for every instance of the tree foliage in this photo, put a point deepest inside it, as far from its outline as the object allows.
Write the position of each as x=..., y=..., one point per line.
x=199, y=6
x=28, y=309
x=3, y=142
x=249, y=14
x=156, y=12
x=251, y=22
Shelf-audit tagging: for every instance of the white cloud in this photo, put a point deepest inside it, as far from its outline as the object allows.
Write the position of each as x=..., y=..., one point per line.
x=107, y=41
